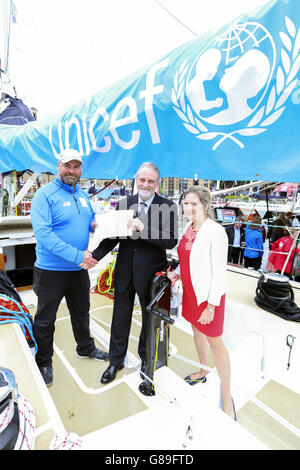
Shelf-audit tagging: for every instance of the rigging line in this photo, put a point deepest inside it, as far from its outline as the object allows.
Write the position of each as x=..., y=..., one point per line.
x=175, y=17
x=247, y=195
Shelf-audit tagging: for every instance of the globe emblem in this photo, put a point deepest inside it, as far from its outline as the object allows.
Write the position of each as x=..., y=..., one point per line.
x=229, y=79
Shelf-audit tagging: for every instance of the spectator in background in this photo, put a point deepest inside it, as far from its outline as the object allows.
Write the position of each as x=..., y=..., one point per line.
x=280, y=251
x=289, y=218
x=279, y=229
x=236, y=240
x=254, y=248
x=292, y=220
x=92, y=189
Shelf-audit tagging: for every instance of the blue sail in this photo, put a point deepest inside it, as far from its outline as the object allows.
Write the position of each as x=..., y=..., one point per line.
x=222, y=106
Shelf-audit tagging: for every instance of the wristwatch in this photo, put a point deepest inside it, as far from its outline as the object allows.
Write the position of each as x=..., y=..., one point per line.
x=210, y=309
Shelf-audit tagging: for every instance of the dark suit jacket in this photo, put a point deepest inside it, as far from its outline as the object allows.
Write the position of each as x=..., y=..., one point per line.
x=230, y=233
x=142, y=255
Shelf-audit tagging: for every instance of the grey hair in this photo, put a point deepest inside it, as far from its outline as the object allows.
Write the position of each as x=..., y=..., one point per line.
x=204, y=197
x=150, y=165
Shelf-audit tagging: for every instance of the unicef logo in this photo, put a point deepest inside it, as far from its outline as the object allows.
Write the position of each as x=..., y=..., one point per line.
x=230, y=89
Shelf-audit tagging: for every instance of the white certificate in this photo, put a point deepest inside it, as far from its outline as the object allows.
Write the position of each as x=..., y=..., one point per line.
x=112, y=224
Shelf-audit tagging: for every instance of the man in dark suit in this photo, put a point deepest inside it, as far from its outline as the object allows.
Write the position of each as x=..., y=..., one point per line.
x=139, y=258
x=236, y=240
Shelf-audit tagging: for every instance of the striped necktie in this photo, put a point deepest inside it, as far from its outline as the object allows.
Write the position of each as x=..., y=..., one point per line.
x=142, y=213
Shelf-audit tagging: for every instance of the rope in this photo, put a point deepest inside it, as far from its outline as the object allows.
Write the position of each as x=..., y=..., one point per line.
x=26, y=437
x=12, y=311
x=26, y=432
x=257, y=249
x=100, y=190
x=176, y=18
x=277, y=296
x=6, y=415
x=66, y=441
x=105, y=281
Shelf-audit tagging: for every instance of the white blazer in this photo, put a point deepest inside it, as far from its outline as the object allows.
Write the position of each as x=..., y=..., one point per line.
x=208, y=262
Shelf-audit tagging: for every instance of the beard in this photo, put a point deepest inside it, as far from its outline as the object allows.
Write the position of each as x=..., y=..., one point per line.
x=70, y=180
x=145, y=194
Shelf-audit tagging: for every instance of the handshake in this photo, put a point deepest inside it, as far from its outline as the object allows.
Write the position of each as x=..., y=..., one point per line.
x=88, y=261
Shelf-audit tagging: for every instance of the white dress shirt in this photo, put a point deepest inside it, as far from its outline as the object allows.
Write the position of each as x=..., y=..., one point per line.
x=237, y=237
x=147, y=202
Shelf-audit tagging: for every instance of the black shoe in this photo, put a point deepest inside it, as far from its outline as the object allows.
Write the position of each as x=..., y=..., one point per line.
x=110, y=373
x=143, y=369
x=97, y=354
x=47, y=374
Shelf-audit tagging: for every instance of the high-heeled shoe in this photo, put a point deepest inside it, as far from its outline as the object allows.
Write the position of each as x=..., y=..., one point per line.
x=191, y=381
x=234, y=410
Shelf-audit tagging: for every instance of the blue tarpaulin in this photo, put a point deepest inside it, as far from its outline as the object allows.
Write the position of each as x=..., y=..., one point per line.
x=222, y=106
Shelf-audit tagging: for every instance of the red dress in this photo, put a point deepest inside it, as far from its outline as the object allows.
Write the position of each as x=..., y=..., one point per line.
x=190, y=310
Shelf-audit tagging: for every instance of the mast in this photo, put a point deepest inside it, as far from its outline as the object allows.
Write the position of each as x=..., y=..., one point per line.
x=6, y=9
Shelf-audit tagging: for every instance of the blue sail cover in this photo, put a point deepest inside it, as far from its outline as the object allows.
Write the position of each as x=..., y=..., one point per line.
x=222, y=106
x=16, y=113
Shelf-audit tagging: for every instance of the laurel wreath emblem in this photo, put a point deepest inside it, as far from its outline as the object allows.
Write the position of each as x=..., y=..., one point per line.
x=267, y=114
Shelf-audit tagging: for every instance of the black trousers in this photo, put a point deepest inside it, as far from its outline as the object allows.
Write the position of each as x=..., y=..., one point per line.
x=121, y=324
x=50, y=288
x=252, y=262
x=235, y=255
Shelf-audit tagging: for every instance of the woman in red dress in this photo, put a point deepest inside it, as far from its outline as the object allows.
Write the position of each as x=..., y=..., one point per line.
x=202, y=255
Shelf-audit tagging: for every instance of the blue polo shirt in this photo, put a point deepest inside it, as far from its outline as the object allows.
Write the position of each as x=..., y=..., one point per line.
x=61, y=218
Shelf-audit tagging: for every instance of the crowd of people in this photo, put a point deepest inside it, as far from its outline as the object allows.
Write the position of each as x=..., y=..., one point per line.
x=62, y=219
x=246, y=243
